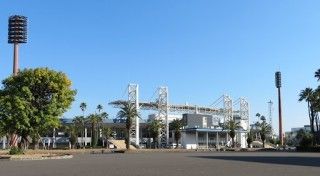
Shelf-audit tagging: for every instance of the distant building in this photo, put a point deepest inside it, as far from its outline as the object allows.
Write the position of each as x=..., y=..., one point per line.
x=305, y=128
x=171, y=117
x=290, y=136
x=205, y=131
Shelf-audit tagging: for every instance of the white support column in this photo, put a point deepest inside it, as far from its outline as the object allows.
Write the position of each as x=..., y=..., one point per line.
x=197, y=143
x=163, y=109
x=207, y=140
x=217, y=140
x=133, y=97
x=227, y=138
x=4, y=140
x=173, y=136
x=244, y=113
x=167, y=120
x=85, y=136
x=137, y=118
x=227, y=106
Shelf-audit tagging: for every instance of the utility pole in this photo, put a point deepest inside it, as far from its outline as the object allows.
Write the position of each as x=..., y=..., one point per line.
x=278, y=86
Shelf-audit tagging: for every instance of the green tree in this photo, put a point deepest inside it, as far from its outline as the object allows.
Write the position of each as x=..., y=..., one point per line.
x=72, y=131
x=250, y=138
x=32, y=102
x=154, y=127
x=317, y=74
x=176, y=125
x=106, y=134
x=79, y=122
x=231, y=125
x=304, y=138
x=310, y=96
x=264, y=131
x=83, y=107
x=96, y=121
x=128, y=112
x=93, y=120
x=99, y=108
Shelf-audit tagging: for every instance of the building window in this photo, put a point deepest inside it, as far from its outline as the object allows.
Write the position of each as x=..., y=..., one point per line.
x=204, y=122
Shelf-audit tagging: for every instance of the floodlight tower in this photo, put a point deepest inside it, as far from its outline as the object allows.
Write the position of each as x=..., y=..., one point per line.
x=278, y=86
x=17, y=33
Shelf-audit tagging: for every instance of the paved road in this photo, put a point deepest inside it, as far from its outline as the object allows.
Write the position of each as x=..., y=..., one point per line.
x=165, y=164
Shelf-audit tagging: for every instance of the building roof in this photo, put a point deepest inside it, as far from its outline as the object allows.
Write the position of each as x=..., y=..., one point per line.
x=210, y=130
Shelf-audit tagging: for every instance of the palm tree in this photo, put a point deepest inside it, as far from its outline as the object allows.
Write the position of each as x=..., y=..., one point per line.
x=154, y=127
x=309, y=96
x=317, y=74
x=176, y=125
x=73, y=134
x=94, y=120
x=258, y=115
x=232, y=126
x=79, y=122
x=106, y=134
x=249, y=137
x=265, y=130
x=128, y=112
x=83, y=107
x=99, y=108
x=104, y=115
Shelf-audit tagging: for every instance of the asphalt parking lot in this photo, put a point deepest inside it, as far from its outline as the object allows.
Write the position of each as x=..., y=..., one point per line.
x=164, y=164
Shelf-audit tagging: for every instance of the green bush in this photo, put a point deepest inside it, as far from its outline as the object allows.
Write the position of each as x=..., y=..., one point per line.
x=16, y=151
x=308, y=149
x=306, y=141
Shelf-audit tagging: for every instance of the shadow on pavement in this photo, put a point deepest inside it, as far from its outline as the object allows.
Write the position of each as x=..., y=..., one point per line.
x=298, y=161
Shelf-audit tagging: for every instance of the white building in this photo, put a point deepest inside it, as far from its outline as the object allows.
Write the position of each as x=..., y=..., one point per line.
x=205, y=131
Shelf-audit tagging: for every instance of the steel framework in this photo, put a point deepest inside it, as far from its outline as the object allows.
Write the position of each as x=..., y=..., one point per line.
x=244, y=111
x=163, y=110
x=163, y=107
x=133, y=97
x=227, y=105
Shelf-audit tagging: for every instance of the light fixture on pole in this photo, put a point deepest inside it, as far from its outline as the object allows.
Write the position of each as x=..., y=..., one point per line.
x=278, y=86
x=17, y=33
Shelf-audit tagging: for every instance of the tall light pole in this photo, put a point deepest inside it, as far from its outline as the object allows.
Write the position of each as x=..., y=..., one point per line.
x=17, y=33
x=278, y=86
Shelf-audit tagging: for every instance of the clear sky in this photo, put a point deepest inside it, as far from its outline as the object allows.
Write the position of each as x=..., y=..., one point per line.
x=199, y=49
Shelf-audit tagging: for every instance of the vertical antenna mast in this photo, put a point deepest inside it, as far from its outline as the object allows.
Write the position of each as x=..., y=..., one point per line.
x=270, y=111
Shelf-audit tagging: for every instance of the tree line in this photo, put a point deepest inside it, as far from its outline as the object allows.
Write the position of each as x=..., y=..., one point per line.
x=312, y=97
x=93, y=122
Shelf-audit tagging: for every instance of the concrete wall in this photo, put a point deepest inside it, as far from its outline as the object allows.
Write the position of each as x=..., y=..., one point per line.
x=197, y=120
x=241, y=138
x=188, y=141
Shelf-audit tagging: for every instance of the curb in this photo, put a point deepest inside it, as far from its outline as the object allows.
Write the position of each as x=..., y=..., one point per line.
x=37, y=158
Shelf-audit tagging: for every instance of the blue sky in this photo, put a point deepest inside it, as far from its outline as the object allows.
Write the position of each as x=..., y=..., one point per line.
x=199, y=49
